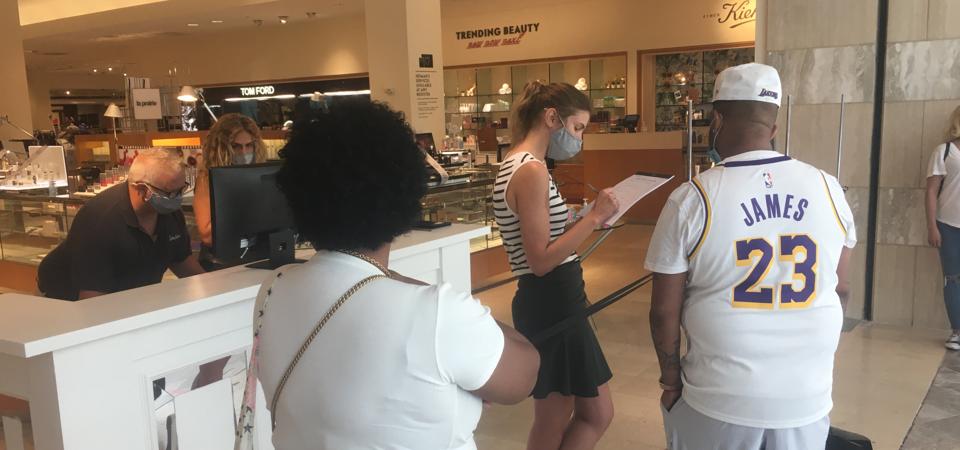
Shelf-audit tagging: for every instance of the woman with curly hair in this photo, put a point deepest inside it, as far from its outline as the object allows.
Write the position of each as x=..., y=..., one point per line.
x=233, y=140
x=395, y=363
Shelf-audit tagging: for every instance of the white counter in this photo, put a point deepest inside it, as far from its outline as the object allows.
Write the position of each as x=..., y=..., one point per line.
x=86, y=367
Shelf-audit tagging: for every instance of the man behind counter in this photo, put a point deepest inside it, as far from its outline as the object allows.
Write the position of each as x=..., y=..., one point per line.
x=126, y=237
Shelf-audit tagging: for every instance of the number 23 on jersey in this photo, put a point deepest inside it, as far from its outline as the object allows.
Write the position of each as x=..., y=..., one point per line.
x=798, y=251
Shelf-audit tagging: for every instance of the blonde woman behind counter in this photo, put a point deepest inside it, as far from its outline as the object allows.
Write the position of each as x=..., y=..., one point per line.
x=233, y=140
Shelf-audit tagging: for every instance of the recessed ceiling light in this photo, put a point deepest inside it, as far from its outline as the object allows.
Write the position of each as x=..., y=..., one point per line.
x=311, y=15
x=124, y=74
x=109, y=69
x=258, y=22
x=216, y=21
x=193, y=24
x=68, y=92
x=283, y=19
x=94, y=70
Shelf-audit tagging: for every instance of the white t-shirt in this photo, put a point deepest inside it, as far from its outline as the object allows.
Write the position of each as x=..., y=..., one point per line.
x=390, y=370
x=760, y=238
x=948, y=204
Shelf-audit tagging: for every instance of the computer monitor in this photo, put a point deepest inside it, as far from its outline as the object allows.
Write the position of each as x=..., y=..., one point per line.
x=630, y=121
x=426, y=143
x=250, y=216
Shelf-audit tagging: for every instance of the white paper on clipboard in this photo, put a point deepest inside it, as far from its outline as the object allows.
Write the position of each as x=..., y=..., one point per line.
x=630, y=191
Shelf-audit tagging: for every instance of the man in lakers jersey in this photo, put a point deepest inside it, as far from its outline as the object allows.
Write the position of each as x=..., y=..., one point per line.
x=750, y=258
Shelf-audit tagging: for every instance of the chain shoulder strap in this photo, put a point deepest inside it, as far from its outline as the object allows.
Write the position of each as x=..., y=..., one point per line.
x=309, y=340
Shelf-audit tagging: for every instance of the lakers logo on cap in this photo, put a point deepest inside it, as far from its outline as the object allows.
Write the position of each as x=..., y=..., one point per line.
x=771, y=94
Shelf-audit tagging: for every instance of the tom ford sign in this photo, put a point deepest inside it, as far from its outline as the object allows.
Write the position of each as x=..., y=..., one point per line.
x=734, y=13
x=256, y=91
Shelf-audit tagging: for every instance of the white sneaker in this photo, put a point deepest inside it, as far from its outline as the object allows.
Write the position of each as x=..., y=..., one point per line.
x=953, y=343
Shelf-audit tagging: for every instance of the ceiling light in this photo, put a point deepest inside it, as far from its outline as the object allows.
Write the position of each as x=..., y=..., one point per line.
x=283, y=19
x=109, y=69
x=345, y=93
x=311, y=15
x=216, y=21
x=124, y=74
x=94, y=70
x=193, y=24
x=187, y=94
x=258, y=22
x=68, y=92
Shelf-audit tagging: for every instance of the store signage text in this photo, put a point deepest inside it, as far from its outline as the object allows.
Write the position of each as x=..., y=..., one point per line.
x=735, y=13
x=254, y=91
x=146, y=103
x=490, y=37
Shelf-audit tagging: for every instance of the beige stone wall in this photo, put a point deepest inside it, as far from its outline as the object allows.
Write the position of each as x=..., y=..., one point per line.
x=824, y=48
x=921, y=90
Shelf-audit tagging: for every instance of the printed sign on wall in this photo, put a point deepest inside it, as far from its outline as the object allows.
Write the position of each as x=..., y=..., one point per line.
x=428, y=87
x=146, y=104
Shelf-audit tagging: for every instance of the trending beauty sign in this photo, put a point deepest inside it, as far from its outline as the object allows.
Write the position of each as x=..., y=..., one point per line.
x=497, y=36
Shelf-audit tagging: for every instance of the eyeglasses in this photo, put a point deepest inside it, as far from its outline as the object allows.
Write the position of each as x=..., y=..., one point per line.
x=187, y=188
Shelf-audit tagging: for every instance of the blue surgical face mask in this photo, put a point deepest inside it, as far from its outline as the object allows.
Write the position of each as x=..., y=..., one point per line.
x=164, y=205
x=713, y=154
x=242, y=158
x=563, y=145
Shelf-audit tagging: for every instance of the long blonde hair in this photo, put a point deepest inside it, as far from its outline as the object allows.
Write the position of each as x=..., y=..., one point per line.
x=217, y=151
x=953, y=132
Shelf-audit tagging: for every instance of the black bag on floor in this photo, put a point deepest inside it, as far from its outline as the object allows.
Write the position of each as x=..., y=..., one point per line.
x=844, y=440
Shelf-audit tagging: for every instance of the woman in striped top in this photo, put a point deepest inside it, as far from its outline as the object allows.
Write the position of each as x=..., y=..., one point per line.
x=548, y=123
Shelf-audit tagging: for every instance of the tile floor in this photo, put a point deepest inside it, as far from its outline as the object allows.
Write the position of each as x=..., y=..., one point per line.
x=937, y=426
x=882, y=373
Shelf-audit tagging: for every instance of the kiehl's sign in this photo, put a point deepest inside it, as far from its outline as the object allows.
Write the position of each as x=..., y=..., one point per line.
x=491, y=37
x=735, y=13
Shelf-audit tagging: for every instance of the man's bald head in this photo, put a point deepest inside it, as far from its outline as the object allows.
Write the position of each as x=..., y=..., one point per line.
x=743, y=125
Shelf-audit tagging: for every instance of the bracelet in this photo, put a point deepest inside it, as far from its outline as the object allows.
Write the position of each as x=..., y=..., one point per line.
x=671, y=388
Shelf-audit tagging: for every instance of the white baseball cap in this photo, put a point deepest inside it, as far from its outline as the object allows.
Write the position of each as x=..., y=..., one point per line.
x=748, y=82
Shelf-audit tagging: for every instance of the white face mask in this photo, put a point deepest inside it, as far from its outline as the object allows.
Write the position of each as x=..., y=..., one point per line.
x=242, y=158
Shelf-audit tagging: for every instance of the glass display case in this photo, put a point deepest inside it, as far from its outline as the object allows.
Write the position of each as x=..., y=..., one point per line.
x=33, y=225
x=469, y=202
x=482, y=98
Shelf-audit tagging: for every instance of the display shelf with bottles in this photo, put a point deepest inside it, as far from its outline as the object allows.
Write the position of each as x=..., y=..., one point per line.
x=690, y=75
x=469, y=203
x=483, y=97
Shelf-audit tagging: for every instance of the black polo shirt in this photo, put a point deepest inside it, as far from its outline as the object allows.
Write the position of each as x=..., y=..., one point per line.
x=107, y=251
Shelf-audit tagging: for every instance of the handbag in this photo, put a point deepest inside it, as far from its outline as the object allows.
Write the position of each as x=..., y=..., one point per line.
x=244, y=436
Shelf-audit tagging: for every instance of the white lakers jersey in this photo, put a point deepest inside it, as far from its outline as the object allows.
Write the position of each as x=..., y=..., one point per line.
x=760, y=237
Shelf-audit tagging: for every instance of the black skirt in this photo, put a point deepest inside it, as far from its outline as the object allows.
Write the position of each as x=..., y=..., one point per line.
x=571, y=362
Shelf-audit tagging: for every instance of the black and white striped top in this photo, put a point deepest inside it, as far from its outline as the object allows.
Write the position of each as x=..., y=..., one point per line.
x=508, y=221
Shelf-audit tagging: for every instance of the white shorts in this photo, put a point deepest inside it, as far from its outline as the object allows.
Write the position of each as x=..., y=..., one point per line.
x=688, y=429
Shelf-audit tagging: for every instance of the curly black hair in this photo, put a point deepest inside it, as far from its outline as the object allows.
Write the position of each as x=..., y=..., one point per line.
x=353, y=176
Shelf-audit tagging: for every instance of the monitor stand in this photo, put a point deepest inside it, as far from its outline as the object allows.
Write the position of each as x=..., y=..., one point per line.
x=282, y=245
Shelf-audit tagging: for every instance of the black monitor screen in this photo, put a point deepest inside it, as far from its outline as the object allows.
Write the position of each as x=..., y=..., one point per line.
x=426, y=143
x=246, y=208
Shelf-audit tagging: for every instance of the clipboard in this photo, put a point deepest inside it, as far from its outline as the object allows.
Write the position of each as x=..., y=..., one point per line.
x=631, y=190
